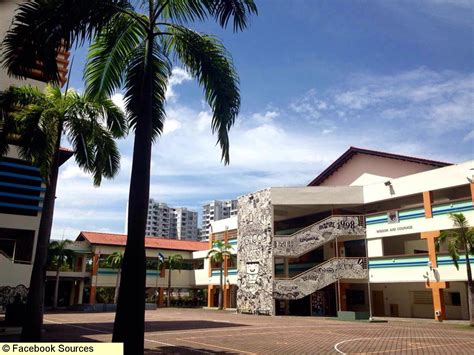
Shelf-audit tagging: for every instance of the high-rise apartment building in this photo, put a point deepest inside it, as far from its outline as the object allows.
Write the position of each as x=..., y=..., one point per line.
x=169, y=222
x=186, y=224
x=215, y=211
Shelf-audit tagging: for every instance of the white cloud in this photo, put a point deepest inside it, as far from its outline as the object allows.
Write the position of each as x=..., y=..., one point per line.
x=265, y=117
x=171, y=126
x=443, y=100
x=310, y=105
x=178, y=77
x=118, y=100
x=73, y=172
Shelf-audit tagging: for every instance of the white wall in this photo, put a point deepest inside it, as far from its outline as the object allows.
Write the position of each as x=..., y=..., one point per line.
x=436, y=179
x=415, y=273
x=14, y=274
x=416, y=225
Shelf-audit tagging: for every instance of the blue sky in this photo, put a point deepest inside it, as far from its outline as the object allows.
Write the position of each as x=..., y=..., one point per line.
x=316, y=77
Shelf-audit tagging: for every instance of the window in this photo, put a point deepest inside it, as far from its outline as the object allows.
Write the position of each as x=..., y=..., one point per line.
x=422, y=297
x=7, y=247
x=17, y=244
x=455, y=298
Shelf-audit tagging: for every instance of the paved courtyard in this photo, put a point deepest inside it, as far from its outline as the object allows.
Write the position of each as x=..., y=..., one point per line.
x=196, y=331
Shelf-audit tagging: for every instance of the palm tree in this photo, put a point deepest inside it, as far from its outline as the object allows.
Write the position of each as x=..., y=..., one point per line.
x=172, y=262
x=461, y=241
x=220, y=252
x=59, y=254
x=134, y=45
x=35, y=121
x=115, y=261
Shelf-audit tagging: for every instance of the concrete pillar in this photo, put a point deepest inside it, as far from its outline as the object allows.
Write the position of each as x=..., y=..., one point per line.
x=84, y=264
x=81, y=291
x=286, y=274
x=78, y=263
x=161, y=297
x=210, y=294
x=72, y=293
x=211, y=238
x=427, y=202
x=439, y=307
x=430, y=240
x=226, y=296
x=95, y=268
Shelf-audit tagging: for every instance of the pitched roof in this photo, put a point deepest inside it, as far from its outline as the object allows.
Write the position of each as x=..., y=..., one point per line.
x=64, y=154
x=150, y=242
x=348, y=154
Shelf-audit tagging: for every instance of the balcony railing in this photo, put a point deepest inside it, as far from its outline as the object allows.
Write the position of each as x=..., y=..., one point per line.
x=317, y=234
x=320, y=276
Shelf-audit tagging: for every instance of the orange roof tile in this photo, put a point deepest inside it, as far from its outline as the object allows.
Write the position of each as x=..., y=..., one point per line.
x=150, y=242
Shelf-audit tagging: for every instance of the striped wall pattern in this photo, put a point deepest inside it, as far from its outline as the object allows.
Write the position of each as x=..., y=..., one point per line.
x=20, y=188
x=455, y=207
x=413, y=261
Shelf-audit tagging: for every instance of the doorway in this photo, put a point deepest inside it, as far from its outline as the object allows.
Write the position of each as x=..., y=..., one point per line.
x=378, y=303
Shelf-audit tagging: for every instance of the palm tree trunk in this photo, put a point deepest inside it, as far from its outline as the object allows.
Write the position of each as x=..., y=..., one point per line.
x=129, y=325
x=56, y=288
x=32, y=326
x=168, y=299
x=470, y=289
x=221, y=290
x=117, y=286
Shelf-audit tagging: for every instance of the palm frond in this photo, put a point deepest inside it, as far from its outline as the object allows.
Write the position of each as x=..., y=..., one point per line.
x=79, y=131
x=459, y=220
x=12, y=101
x=106, y=155
x=453, y=248
x=222, y=11
x=159, y=70
x=207, y=60
x=38, y=137
x=109, y=53
x=225, y=10
x=40, y=29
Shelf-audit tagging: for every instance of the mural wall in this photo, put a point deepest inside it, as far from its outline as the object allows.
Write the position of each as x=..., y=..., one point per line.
x=255, y=260
x=318, y=234
x=320, y=277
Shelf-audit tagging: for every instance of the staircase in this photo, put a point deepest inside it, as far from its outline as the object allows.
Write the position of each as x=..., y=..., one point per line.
x=319, y=277
x=317, y=234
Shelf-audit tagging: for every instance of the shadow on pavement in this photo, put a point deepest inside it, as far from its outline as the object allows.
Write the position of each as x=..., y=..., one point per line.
x=183, y=350
x=82, y=331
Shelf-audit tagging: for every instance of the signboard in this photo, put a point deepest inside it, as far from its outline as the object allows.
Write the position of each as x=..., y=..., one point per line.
x=392, y=217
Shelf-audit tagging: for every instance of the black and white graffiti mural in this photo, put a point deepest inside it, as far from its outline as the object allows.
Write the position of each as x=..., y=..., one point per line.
x=318, y=234
x=321, y=276
x=255, y=259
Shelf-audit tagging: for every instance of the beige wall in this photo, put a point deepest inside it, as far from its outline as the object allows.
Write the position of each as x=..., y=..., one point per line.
x=362, y=163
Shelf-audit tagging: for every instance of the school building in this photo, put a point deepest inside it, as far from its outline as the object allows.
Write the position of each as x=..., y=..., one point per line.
x=359, y=238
